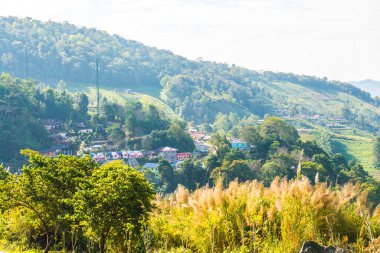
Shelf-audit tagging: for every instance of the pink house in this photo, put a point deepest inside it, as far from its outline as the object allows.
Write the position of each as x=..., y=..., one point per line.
x=183, y=156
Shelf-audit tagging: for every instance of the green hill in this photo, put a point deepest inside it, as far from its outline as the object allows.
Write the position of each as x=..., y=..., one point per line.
x=195, y=90
x=23, y=106
x=64, y=55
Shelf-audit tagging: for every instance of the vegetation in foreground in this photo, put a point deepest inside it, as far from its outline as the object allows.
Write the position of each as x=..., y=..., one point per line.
x=73, y=204
x=251, y=218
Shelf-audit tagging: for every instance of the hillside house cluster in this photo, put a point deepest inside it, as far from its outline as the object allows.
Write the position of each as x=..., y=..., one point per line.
x=51, y=124
x=57, y=150
x=200, y=140
x=167, y=153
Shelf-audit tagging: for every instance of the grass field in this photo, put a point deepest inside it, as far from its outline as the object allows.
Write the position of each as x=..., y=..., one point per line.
x=322, y=101
x=124, y=97
x=352, y=143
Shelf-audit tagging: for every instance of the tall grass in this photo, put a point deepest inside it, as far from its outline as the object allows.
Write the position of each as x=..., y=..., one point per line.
x=251, y=218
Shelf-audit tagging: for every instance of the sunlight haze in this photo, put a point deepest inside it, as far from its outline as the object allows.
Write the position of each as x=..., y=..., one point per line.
x=336, y=39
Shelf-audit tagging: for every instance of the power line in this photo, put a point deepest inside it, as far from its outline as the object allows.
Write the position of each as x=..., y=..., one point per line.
x=97, y=88
x=26, y=63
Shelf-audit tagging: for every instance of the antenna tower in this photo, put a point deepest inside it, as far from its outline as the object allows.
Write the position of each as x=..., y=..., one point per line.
x=97, y=88
x=26, y=63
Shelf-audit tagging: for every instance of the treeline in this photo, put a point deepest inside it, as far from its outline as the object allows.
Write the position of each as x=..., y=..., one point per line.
x=138, y=126
x=70, y=203
x=196, y=90
x=73, y=204
x=23, y=105
x=275, y=150
x=237, y=204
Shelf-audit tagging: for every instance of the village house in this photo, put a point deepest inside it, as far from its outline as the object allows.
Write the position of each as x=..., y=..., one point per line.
x=150, y=154
x=183, y=156
x=135, y=154
x=201, y=147
x=58, y=138
x=303, y=130
x=85, y=131
x=99, y=157
x=96, y=148
x=80, y=125
x=51, y=124
x=116, y=155
x=239, y=144
x=56, y=150
x=168, y=153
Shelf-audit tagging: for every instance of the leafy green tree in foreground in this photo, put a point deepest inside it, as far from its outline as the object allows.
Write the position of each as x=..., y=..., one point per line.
x=113, y=204
x=74, y=196
x=46, y=187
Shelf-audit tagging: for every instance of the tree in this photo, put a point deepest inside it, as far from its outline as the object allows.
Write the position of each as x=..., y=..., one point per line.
x=46, y=187
x=229, y=171
x=168, y=180
x=83, y=104
x=191, y=174
x=250, y=135
x=327, y=164
x=114, y=203
x=179, y=139
x=311, y=169
x=377, y=151
x=274, y=128
x=115, y=134
x=219, y=146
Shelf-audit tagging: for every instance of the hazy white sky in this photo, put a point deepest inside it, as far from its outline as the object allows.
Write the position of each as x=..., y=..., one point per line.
x=339, y=39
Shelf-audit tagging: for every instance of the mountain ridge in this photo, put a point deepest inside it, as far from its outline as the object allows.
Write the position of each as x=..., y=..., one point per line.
x=196, y=90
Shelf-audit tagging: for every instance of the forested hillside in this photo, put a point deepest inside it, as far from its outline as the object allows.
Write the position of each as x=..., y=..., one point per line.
x=196, y=90
x=23, y=106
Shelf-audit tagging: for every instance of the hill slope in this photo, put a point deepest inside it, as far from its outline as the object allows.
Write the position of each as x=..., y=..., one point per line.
x=196, y=90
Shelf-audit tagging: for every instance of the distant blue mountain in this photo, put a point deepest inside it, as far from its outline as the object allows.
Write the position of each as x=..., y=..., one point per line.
x=371, y=86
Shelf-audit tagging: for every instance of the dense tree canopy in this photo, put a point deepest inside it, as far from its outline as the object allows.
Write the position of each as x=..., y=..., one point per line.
x=23, y=106
x=91, y=204
x=196, y=90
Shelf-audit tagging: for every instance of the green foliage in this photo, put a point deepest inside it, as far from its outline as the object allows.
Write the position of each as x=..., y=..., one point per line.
x=54, y=200
x=142, y=121
x=219, y=146
x=196, y=90
x=22, y=106
x=83, y=104
x=229, y=171
x=46, y=188
x=377, y=150
x=192, y=175
x=251, y=135
x=113, y=205
x=274, y=128
x=116, y=135
x=175, y=137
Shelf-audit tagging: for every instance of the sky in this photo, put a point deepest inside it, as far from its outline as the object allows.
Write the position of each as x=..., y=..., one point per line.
x=338, y=39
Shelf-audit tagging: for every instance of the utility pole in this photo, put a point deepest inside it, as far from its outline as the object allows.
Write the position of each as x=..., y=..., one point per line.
x=26, y=63
x=97, y=88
